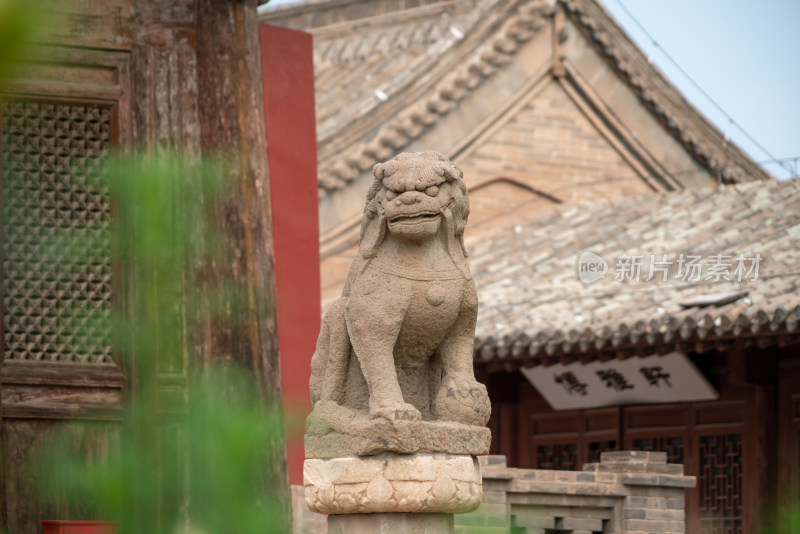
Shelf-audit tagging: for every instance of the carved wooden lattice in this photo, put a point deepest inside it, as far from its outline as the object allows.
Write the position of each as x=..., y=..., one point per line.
x=56, y=232
x=673, y=446
x=719, y=483
x=562, y=456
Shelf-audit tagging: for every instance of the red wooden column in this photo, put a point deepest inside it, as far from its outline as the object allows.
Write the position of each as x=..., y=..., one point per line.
x=288, y=72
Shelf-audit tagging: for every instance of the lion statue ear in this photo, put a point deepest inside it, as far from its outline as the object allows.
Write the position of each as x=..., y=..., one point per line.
x=454, y=215
x=373, y=231
x=373, y=223
x=378, y=171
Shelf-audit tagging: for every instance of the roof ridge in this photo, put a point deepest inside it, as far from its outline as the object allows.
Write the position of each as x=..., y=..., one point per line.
x=372, y=113
x=680, y=118
x=345, y=28
x=346, y=46
x=520, y=27
x=688, y=125
x=310, y=14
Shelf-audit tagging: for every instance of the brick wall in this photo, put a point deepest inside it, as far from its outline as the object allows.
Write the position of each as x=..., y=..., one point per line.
x=551, y=146
x=629, y=491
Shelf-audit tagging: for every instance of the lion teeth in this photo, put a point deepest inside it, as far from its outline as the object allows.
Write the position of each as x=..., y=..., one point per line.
x=420, y=217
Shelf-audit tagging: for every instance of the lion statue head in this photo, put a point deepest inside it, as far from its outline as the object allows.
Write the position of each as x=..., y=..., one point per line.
x=416, y=196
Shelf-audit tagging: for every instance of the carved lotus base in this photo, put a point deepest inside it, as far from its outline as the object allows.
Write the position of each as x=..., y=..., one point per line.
x=389, y=482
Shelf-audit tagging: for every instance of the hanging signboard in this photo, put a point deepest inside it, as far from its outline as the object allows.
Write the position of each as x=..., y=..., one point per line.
x=653, y=379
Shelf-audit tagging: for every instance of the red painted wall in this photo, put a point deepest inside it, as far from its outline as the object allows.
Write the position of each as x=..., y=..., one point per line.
x=288, y=72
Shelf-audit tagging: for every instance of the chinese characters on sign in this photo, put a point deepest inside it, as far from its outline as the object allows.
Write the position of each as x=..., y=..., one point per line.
x=654, y=375
x=614, y=379
x=571, y=383
x=653, y=379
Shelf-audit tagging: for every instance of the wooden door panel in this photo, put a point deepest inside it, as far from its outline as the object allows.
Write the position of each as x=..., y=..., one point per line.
x=59, y=284
x=788, y=479
x=720, y=482
x=31, y=494
x=568, y=440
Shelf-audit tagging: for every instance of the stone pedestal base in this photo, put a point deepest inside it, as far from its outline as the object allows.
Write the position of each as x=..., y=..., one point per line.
x=389, y=482
x=355, y=434
x=391, y=524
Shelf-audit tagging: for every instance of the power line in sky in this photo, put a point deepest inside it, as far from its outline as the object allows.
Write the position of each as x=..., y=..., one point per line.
x=700, y=89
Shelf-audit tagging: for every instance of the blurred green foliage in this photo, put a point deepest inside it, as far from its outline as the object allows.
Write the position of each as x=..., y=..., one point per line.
x=195, y=470
x=17, y=26
x=196, y=437
x=783, y=520
x=21, y=22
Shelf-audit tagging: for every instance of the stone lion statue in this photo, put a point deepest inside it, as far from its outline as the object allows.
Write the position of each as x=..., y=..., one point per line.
x=394, y=355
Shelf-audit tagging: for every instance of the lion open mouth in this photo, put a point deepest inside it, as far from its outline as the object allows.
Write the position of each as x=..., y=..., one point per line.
x=415, y=218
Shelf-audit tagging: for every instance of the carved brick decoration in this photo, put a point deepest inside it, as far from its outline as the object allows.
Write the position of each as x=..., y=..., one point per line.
x=56, y=232
x=720, y=483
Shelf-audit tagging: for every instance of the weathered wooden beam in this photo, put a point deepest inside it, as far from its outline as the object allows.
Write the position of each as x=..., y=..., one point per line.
x=63, y=374
x=231, y=114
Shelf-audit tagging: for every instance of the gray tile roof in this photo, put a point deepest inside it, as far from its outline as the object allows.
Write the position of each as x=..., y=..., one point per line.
x=382, y=80
x=534, y=309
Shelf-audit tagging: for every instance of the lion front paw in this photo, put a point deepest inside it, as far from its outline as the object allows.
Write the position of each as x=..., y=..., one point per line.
x=463, y=400
x=395, y=411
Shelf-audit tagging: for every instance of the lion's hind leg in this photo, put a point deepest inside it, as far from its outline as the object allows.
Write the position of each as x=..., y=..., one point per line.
x=329, y=368
x=330, y=360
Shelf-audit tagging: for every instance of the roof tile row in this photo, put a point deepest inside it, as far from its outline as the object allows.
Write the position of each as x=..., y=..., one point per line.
x=534, y=306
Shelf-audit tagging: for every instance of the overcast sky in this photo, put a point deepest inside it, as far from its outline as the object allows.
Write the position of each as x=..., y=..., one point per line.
x=744, y=54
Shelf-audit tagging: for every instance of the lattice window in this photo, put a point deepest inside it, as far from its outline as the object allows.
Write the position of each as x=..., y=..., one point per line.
x=673, y=446
x=562, y=456
x=56, y=232
x=719, y=483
